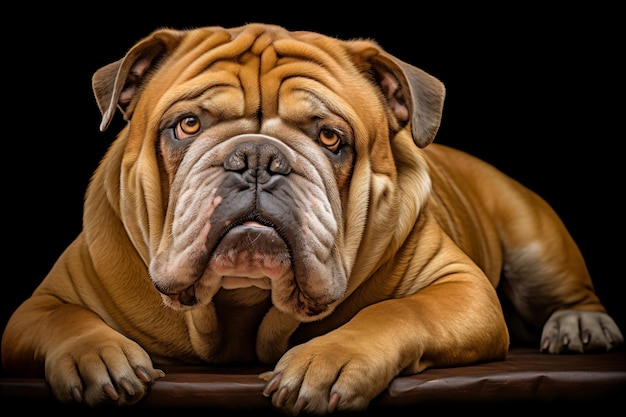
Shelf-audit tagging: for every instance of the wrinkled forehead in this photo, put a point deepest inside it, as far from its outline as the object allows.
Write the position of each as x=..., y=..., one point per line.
x=266, y=46
x=263, y=66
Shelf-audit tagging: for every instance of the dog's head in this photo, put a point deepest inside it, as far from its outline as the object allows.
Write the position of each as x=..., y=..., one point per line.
x=259, y=157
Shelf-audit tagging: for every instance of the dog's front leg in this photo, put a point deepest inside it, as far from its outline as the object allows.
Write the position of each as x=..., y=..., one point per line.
x=455, y=321
x=84, y=359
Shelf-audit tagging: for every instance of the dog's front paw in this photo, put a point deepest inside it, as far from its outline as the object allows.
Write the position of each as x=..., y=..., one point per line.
x=573, y=331
x=114, y=371
x=325, y=375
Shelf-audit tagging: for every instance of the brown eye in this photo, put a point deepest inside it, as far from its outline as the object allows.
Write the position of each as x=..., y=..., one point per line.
x=330, y=139
x=187, y=127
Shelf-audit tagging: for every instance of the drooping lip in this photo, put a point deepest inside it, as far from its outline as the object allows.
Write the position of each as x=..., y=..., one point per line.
x=252, y=221
x=238, y=269
x=248, y=253
x=251, y=250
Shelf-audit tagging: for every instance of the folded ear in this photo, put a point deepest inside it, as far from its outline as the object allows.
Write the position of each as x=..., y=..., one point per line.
x=417, y=93
x=116, y=84
x=412, y=94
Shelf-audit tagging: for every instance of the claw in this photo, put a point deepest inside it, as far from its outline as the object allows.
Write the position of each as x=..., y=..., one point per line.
x=272, y=385
x=127, y=387
x=586, y=336
x=333, y=402
x=77, y=395
x=281, y=397
x=300, y=404
x=110, y=391
x=144, y=375
x=565, y=340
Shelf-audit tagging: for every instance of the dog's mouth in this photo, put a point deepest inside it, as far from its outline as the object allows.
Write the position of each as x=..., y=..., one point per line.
x=250, y=254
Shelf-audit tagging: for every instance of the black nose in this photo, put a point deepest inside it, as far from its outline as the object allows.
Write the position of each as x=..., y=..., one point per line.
x=257, y=162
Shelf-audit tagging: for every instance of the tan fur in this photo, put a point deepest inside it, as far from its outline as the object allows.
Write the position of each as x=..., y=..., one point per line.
x=385, y=251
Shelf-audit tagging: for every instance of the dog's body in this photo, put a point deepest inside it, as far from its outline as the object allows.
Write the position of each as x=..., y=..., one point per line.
x=271, y=187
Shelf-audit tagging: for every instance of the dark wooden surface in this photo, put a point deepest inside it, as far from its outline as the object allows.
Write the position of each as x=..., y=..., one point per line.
x=526, y=379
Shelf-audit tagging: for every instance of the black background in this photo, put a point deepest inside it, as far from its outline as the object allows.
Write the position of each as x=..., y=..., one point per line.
x=536, y=92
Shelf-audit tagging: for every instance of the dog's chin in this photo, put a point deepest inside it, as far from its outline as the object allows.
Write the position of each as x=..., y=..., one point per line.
x=251, y=255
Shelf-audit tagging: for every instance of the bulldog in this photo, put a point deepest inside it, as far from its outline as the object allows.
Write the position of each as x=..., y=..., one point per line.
x=274, y=197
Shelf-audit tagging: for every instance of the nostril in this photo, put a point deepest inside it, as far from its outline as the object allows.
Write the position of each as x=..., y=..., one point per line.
x=279, y=164
x=257, y=161
x=243, y=158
